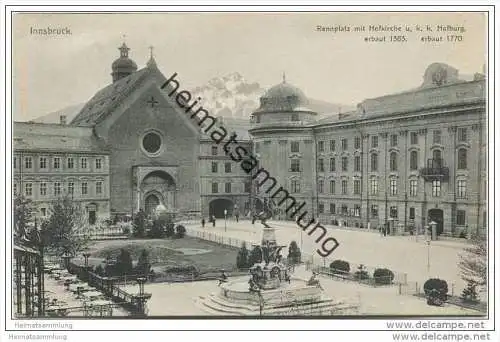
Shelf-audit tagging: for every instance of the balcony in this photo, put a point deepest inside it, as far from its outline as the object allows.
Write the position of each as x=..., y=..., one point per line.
x=435, y=170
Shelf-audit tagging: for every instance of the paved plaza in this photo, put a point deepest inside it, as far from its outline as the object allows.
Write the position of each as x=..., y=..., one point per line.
x=402, y=254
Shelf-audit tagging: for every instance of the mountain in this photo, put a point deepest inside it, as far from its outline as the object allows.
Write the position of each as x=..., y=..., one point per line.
x=233, y=96
x=230, y=96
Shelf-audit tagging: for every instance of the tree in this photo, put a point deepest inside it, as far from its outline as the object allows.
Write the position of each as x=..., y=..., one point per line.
x=294, y=254
x=99, y=270
x=140, y=223
x=170, y=229
x=143, y=264
x=255, y=256
x=469, y=294
x=23, y=217
x=65, y=231
x=124, y=262
x=473, y=263
x=242, y=257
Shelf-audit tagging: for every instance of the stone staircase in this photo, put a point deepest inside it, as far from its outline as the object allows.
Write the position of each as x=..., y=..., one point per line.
x=216, y=305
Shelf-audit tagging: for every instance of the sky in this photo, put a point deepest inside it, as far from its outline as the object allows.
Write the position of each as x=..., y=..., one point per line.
x=53, y=72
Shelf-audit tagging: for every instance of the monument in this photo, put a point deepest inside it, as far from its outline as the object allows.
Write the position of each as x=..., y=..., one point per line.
x=272, y=289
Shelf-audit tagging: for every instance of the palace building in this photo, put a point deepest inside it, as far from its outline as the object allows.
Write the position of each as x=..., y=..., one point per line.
x=407, y=158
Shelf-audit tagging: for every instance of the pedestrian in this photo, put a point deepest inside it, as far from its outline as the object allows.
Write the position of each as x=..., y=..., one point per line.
x=213, y=220
x=203, y=222
x=237, y=217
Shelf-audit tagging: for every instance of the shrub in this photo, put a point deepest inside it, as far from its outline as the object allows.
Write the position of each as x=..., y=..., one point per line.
x=170, y=230
x=340, y=267
x=157, y=230
x=180, y=231
x=463, y=234
x=361, y=273
x=242, y=257
x=294, y=254
x=469, y=294
x=436, y=284
x=383, y=276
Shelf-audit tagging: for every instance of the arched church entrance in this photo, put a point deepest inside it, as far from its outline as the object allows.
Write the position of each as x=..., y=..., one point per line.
x=436, y=215
x=151, y=202
x=158, y=187
x=217, y=207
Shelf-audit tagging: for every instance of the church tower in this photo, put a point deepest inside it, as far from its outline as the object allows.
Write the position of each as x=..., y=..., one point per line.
x=123, y=66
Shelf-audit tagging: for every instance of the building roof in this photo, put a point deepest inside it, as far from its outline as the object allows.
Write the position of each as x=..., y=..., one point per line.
x=108, y=98
x=39, y=137
x=283, y=97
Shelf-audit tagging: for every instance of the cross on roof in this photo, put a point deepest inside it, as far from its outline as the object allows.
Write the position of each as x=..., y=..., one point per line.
x=152, y=102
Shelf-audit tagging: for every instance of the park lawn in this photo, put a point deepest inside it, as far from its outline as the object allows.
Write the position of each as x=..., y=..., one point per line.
x=164, y=253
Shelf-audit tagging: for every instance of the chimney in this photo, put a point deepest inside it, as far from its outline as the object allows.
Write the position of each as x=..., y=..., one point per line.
x=62, y=119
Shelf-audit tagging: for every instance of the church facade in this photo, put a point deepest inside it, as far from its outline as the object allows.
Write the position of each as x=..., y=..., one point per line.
x=407, y=158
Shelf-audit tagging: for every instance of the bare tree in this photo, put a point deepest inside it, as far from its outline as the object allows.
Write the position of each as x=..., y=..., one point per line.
x=473, y=263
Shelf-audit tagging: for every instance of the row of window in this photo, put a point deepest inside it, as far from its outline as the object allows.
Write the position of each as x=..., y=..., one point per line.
x=227, y=167
x=374, y=187
x=43, y=163
x=57, y=188
x=374, y=162
x=460, y=218
x=228, y=189
x=374, y=141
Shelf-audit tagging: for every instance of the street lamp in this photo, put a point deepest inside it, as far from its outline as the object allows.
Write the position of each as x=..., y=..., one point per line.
x=86, y=256
x=66, y=257
x=225, y=220
x=433, y=225
x=141, y=296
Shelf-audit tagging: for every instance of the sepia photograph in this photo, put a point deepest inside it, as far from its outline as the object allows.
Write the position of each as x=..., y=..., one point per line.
x=324, y=165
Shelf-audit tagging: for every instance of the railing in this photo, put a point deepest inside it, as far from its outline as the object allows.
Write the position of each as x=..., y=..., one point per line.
x=108, y=286
x=435, y=170
x=365, y=278
x=311, y=261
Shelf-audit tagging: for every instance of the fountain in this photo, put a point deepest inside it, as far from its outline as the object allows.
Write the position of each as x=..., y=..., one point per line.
x=271, y=288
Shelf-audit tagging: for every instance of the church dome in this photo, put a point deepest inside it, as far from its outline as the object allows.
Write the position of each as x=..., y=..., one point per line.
x=124, y=63
x=123, y=66
x=283, y=97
